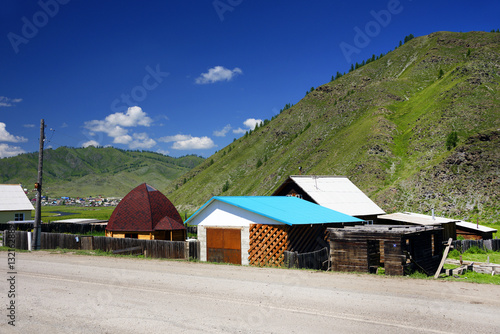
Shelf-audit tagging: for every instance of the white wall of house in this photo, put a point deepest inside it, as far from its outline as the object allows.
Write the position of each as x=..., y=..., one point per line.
x=222, y=215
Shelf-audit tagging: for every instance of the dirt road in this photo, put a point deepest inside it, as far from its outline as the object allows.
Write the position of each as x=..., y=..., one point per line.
x=63, y=293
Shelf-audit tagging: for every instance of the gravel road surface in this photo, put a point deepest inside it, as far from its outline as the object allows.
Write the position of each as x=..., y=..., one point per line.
x=66, y=293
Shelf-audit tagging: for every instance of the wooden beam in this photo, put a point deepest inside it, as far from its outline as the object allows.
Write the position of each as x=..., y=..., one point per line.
x=445, y=255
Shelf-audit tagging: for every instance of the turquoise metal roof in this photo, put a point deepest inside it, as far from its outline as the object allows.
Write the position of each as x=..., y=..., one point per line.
x=287, y=210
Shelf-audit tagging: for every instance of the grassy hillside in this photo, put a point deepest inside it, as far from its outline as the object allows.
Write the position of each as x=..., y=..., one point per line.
x=385, y=126
x=94, y=171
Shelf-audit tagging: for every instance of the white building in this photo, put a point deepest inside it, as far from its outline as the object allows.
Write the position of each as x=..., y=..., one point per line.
x=14, y=204
x=258, y=229
x=334, y=192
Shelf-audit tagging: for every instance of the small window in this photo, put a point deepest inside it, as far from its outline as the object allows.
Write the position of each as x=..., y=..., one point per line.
x=131, y=235
x=18, y=217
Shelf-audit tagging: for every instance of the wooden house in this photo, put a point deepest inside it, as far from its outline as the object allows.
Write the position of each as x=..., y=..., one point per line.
x=145, y=213
x=471, y=231
x=14, y=204
x=334, y=192
x=258, y=230
x=410, y=218
x=399, y=249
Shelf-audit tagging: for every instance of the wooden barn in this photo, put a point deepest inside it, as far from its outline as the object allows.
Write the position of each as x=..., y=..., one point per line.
x=471, y=231
x=145, y=213
x=416, y=219
x=258, y=230
x=399, y=249
x=334, y=192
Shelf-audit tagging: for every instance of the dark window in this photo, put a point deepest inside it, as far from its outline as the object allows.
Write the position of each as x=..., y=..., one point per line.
x=18, y=217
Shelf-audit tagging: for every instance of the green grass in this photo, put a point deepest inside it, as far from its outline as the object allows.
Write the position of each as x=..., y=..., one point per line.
x=101, y=213
x=473, y=277
x=475, y=254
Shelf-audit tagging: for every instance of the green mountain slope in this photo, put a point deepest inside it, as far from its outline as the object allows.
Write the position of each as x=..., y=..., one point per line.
x=385, y=126
x=94, y=171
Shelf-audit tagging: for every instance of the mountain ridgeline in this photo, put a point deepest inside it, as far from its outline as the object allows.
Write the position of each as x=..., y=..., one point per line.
x=417, y=129
x=94, y=171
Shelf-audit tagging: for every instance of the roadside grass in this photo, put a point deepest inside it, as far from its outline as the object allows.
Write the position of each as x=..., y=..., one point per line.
x=476, y=254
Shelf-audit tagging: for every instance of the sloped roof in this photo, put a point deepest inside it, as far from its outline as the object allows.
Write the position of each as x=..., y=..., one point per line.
x=337, y=193
x=145, y=209
x=417, y=218
x=13, y=198
x=287, y=210
x=476, y=227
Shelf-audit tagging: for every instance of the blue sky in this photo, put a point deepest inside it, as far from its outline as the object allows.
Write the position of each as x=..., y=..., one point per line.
x=187, y=77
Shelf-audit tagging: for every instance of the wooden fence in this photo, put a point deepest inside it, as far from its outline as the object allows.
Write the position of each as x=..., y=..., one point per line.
x=311, y=260
x=55, y=227
x=151, y=248
x=488, y=244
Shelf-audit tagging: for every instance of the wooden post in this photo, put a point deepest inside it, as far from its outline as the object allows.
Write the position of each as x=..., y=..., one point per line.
x=38, y=209
x=445, y=255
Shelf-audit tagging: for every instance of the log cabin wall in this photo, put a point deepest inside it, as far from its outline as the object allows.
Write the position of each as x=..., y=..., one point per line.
x=398, y=249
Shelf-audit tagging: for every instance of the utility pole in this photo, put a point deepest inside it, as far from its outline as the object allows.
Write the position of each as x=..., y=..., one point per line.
x=37, y=233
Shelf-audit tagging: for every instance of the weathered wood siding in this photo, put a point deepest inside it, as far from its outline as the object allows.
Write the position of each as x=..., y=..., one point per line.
x=397, y=249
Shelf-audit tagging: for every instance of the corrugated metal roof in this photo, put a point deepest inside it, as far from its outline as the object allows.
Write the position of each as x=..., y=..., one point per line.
x=416, y=218
x=287, y=210
x=13, y=198
x=337, y=193
x=476, y=227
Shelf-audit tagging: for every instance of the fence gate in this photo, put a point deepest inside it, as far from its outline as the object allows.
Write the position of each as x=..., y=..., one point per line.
x=224, y=245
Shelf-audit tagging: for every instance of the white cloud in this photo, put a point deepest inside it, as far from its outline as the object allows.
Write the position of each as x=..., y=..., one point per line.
x=250, y=124
x=141, y=140
x=223, y=132
x=29, y=125
x=169, y=139
x=188, y=142
x=115, y=126
x=5, y=136
x=194, y=143
x=10, y=151
x=239, y=131
x=164, y=152
x=8, y=102
x=218, y=73
x=90, y=143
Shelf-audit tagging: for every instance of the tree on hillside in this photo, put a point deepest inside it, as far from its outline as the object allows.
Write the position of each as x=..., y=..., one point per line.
x=451, y=140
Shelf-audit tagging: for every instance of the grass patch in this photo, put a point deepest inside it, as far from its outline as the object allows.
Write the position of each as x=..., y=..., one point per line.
x=476, y=254
x=474, y=277
x=101, y=213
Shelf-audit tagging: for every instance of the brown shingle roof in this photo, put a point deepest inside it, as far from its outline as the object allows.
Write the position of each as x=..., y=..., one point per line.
x=145, y=209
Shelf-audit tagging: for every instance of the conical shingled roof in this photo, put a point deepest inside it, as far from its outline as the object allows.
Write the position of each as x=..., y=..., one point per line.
x=145, y=209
